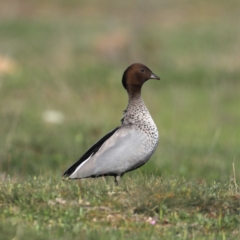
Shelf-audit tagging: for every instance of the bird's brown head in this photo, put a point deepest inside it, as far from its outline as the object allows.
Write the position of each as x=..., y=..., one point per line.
x=135, y=76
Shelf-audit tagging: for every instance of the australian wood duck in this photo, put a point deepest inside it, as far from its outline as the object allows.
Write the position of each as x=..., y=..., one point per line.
x=126, y=147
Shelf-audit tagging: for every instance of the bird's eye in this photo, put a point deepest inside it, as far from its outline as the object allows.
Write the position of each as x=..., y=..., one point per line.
x=142, y=70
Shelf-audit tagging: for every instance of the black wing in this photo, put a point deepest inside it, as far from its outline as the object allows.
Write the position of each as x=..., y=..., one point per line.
x=90, y=151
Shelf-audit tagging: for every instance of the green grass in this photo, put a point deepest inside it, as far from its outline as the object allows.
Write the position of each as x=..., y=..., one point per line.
x=143, y=207
x=69, y=57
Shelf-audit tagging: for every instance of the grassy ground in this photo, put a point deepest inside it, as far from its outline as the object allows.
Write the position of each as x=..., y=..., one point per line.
x=143, y=207
x=67, y=58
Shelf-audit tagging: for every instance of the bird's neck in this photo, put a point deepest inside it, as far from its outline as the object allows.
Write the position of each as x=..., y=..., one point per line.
x=135, y=101
x=135, y=108
x=134, y=92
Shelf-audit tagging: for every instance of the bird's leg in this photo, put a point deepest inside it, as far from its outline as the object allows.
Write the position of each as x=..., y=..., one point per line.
x=117, y=180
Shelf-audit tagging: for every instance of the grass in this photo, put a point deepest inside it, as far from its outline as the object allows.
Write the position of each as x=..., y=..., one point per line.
x=68, y=58
x=96, y=209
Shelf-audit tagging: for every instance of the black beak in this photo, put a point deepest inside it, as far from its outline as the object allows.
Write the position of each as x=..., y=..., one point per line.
x=153, y=76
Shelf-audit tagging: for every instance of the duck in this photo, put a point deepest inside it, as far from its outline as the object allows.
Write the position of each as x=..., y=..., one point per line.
x=128, y=146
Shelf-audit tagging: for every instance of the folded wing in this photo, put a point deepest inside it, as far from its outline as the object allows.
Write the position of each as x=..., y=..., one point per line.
x=124, y=150
x=89, y=153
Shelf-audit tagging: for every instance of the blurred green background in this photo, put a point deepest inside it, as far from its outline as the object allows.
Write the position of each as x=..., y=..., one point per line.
x=61, y=64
